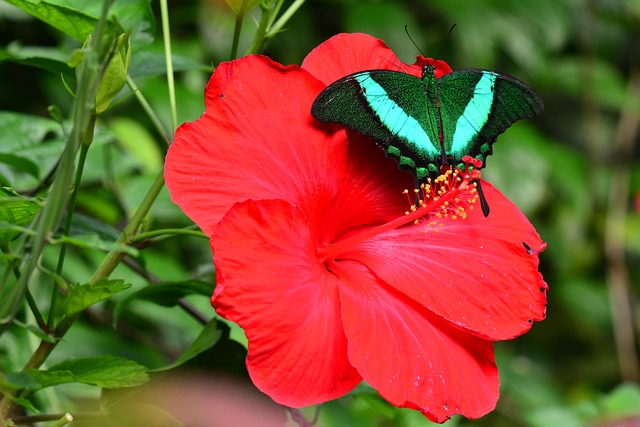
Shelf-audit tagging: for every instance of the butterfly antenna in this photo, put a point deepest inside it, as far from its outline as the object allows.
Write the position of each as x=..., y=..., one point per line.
x=446, y=41
x=406, y=30
x=449, y=33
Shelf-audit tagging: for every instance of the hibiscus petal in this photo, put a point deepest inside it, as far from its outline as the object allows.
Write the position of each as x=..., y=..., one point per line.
x=344, y=54
x=256, y=140
x=371, y=192
x=412, y=357
x=474, y=272
x=271, y=283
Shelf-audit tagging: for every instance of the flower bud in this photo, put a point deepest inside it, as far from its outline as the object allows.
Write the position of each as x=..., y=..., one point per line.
x=115, y=73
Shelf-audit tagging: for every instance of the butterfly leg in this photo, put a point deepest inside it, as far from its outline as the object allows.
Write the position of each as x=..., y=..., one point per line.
x=483, y=200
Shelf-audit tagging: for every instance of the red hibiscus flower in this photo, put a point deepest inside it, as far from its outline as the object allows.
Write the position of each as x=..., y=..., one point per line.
x=318, y=261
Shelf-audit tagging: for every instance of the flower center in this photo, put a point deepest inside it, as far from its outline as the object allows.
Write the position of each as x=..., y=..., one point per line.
x=449, y=196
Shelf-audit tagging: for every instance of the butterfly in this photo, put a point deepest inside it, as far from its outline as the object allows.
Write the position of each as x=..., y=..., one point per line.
x=426, y=123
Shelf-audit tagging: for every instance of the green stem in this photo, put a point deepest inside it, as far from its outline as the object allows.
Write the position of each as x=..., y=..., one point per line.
x=31, y=302
x=236, y=36
x=265, y=21
x=63, y=421
x=80, y=416
x=12, y=264
x=84, y=149
x=166, y=35
x=277, y=27
x=267, y=29
x=274, y=12
x=147, y=109
x=167, y=232
x=114, y=257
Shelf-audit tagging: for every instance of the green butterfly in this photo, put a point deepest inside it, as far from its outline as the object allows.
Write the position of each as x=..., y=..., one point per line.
x=426, y=123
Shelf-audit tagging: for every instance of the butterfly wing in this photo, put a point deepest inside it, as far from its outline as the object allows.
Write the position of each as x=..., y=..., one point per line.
x=392, y=108
x=477, y=106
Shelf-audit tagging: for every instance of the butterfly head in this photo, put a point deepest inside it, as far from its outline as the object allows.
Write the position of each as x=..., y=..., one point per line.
x=436, y=66
x=428, y=69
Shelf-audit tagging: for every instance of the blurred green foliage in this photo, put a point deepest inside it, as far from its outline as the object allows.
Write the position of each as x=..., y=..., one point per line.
x=575, y=172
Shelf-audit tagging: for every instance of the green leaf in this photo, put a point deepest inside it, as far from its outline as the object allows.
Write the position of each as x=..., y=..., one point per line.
x=25, y=403
x=78, y=18
x=83, y=296
x=21, y=163
x=146, y=64
x=36, y=331
x=46, y=58
x=552, y=416
x=70, y=21
x=15, y=211
x=101, y=371
x=134, y=16
x=6, y=257
x=83, y=224
x=105, y=371
x=623, y=400
x=29, y=143
x=165, y=294
x=22, y=131
x=34, y=379
x=137, y=140
x=207, y=338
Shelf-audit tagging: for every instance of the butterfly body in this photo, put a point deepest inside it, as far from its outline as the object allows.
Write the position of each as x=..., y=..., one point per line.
x=426, y=123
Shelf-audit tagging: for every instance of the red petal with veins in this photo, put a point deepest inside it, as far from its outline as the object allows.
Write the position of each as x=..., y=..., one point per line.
x=271, y=284
x=256, y=140
x=474, y=272
x=411, y=356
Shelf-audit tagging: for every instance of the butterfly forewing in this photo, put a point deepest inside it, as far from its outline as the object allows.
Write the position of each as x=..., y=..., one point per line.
x=390, y=107
x=477, y=106
x=342, y=102
x=513, y=101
